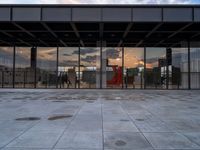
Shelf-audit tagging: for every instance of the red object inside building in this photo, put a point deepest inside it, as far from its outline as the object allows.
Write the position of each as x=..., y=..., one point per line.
x=117, y=78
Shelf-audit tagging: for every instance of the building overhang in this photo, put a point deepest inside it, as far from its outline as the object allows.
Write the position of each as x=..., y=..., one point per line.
x=87, y=25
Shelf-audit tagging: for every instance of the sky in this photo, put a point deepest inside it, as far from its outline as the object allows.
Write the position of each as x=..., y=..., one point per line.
x=99, y=1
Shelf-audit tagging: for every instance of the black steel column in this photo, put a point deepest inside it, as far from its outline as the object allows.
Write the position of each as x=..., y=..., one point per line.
x=14, y=53
x=122, y=66
x=189, y=73
x=144, y=68
x=57, y=60
x=167, y=68
x=35, y=68
x=101, y=60
x=79, y=62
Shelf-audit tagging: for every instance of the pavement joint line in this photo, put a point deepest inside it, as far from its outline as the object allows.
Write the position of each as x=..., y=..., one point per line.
x=67, y=126
x=21, y=134
x=101, y=100
x=137, y=127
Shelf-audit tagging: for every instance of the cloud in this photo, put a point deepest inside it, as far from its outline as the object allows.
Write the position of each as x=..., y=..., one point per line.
x=99, y=1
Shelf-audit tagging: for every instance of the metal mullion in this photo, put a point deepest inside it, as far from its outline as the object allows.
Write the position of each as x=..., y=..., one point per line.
x=101, y=60
x=122, y=66
x=144, y=68
x=189, y=72
x=57, y=61
x=167, y=70
x=14, y=53
x=35, y=70
x=79, y=61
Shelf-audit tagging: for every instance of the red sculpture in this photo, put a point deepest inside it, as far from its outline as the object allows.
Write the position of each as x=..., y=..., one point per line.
x=117, y=78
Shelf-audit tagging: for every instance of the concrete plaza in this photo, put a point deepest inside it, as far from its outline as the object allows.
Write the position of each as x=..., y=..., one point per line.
x=56, y=119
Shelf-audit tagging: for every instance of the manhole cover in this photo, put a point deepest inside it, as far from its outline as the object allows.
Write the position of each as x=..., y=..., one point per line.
x=120, y=143
x=139, y=119
x=28, y=119
x=59, y=117
x=124, y=120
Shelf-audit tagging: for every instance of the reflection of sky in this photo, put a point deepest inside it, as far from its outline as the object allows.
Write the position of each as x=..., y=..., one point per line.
x=89, y=56
x=6, y=57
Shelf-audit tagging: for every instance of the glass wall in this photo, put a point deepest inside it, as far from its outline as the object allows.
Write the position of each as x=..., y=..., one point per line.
x=6, y=66
x=112, y=71
x=68, y=67
x=89, y=67
x=195, y=67
x=179, y=69
x=133, y=67
x=93, y=67
x=46, y=76
x=156, y=72
x=24, y=71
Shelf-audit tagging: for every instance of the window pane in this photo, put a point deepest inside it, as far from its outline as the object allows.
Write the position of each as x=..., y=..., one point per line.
x=133, y=67
x=155, y=68
x=68, y=67
x=195, y=67
x=179, y=71
x=112, y=65
x=89, y=67
x=6, y=66
x=24, y=71
x=46, y=67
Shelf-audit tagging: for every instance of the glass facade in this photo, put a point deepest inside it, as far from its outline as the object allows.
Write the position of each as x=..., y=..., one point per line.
x=100, y=67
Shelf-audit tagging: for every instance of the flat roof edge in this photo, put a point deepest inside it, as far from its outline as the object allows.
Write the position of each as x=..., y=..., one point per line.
x=100, y=5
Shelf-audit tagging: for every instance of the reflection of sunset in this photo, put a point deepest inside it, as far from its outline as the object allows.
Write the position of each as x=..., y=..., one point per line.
x=133, y=57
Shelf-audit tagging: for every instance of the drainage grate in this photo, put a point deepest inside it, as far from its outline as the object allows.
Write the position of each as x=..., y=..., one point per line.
x=28, y=119
x=120, y=143
x=59, y=117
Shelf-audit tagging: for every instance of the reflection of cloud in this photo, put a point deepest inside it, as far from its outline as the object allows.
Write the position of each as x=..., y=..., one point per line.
x=112, y=53
x=91, y=59
x=66, y=55
x=68, y=63
x=85, y=51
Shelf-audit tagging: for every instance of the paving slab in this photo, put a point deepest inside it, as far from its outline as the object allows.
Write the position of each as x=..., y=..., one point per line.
x=126, y=140
x=170, y=141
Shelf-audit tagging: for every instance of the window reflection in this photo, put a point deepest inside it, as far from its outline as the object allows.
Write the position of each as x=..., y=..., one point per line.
x=68, y=67
x=156, y=73
x=24, y=73
x=46, y=67
x=179, y=69
x=89, y=67
x=112, y=68
x=133, y=67
x=6, y=66
x=195, y=67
